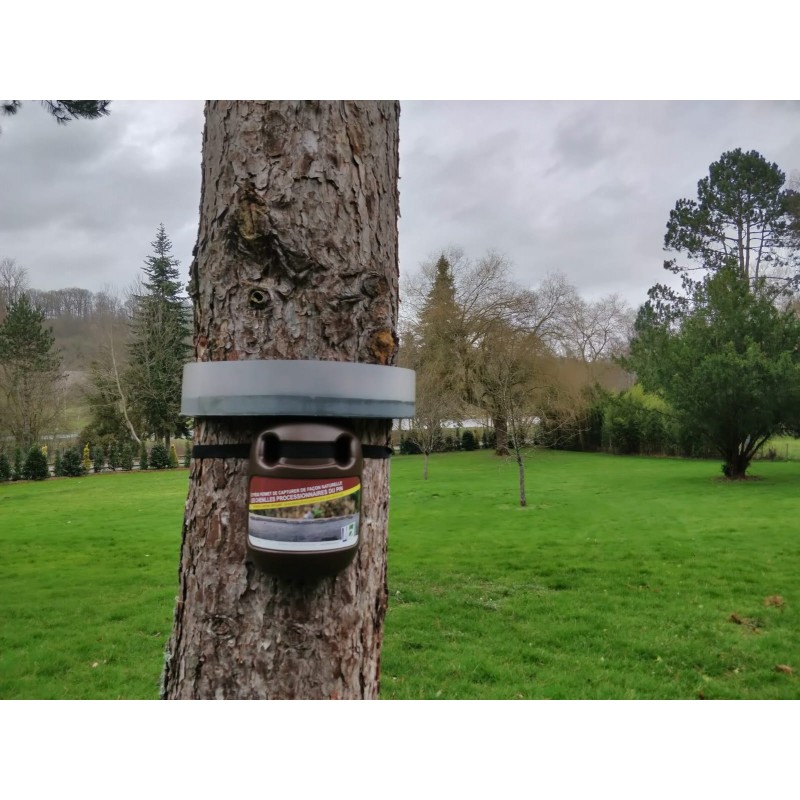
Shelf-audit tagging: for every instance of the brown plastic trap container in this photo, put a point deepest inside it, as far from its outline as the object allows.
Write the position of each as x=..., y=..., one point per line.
x=304, y=499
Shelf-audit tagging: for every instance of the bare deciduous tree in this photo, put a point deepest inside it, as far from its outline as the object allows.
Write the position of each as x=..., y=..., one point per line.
x=596, y=331
x=111, y=381
x=487, y=296
x=525, y=381
x=13, y=282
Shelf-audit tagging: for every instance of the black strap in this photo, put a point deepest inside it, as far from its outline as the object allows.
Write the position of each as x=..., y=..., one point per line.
x=288, y=450
x=221, y=451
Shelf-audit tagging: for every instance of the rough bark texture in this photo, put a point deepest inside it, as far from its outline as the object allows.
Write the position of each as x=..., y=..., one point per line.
x=296, y=258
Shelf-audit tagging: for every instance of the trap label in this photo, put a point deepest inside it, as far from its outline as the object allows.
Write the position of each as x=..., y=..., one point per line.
x=304, y=514
x=269, y=493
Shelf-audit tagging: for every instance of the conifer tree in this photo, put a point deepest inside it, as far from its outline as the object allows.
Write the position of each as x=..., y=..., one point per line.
x=738, y=221
x=159, y=457
x=325, y=254
x=30, y=372
x=63, y=110
x=126, y=456
x=72, y=464
x=159, y=343
x=35, y=467
x=441, y=342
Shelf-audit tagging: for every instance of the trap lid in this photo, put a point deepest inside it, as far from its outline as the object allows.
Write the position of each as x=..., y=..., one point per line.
x=277, y=387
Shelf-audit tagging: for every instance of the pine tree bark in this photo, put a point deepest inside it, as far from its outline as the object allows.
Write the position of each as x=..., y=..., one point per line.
x=296, y=259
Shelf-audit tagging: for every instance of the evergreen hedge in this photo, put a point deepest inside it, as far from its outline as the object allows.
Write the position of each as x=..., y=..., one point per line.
x=35, y=467
x=72, y=463
x=159, y=456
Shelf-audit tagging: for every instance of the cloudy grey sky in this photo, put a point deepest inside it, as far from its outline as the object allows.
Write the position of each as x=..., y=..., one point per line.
x=581, y=188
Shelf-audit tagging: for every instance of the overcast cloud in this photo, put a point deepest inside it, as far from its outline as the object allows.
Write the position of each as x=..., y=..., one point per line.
x=581, y=188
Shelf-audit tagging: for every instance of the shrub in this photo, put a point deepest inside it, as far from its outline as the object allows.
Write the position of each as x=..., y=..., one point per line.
x=72, y=465
x=57, y=464
x=86, y=460
x=16, y=473
x=468, y=441
x=409, y=446
x=622, y=425
x=126, y=456
x=159, y=456
x=113, y=455
x=35, y=467
x=187, y=455
x=98, y=458
x=143, y=460
x=489, y=439
x=5, y=468
x=173, y=457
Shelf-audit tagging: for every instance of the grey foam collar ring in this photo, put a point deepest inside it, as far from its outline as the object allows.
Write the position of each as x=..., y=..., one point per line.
x=255, y=388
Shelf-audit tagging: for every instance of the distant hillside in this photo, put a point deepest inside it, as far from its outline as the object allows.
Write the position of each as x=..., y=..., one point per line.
x=80, y=339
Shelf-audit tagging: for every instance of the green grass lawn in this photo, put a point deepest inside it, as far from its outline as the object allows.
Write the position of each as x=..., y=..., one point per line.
x=624, y=578
x=88, y=579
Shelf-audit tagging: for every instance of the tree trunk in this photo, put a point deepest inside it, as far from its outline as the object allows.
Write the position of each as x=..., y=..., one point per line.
x=296, y=259
x=425, y=466
x=501, y=436
x=736, y=465
x=523, y=501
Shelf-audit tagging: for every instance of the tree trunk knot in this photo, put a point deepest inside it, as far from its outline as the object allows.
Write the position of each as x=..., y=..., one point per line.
x=382, y=346
x=222, y=627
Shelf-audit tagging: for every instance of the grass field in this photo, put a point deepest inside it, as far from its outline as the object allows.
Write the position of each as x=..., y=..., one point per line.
x=624, y=578
x=786, y=448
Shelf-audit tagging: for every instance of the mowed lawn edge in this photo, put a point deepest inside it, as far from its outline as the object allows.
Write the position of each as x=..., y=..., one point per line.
x=624, y=578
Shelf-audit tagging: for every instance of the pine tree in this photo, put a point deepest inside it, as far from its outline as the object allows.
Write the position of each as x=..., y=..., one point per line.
x=738, y=221
x=63, y=110
x=161, y=268
x=35, y=467
x=30, y=372
x=441, y=337
x=72, y=465
x=126, y=456
x=318, y=243
x=159, y=343
x=159, y=457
